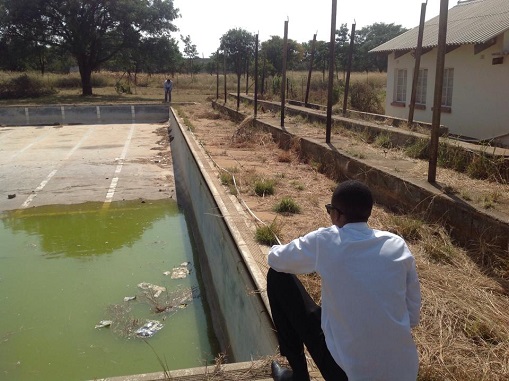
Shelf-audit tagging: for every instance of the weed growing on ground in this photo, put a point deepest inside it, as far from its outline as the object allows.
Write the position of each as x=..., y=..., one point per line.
x=287, y=205
x=268, y=234
x=383, y=140
x=264, y=187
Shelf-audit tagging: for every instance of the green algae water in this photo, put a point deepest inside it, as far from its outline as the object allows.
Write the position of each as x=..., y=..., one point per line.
x=63, y=269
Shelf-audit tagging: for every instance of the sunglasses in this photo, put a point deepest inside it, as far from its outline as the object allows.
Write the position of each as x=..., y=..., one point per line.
x=329, y=208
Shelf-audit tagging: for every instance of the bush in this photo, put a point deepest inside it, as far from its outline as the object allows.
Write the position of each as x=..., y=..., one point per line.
x=418, y=149
x=67, y=82
x=73, y=81
x=25, y=86
x=364, y=97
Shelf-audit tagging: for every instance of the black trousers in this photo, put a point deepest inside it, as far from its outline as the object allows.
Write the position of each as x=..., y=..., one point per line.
x=298, y=322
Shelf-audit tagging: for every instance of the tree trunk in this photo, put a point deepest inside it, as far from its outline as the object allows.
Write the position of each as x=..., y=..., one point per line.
x=86, y=77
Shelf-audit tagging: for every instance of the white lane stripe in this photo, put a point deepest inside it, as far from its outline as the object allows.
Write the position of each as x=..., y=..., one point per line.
x=41, y=137
x=41, y=186
x=118, y=169
x=38, y=189
x=5, y=134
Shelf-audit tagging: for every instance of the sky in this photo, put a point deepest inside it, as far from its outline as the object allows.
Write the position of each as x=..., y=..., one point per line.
x=205, y=21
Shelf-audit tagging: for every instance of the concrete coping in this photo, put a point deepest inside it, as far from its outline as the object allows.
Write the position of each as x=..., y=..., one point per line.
x=249, y=370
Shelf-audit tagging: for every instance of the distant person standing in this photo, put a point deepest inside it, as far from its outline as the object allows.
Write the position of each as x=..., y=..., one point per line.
x=168, y=87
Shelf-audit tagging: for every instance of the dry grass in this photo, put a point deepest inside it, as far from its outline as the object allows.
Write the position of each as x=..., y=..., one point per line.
x=464, y=330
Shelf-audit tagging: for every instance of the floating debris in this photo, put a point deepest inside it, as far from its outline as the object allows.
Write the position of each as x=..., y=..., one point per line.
x=158, y=290
x=104, y=324
x=179, y=272
x=129, y=298
x=148, y=329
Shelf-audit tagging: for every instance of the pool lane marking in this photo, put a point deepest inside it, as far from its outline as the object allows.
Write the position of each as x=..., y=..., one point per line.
x=41, y=186
x=38, y=189
x=37, y=140
x=118, y=169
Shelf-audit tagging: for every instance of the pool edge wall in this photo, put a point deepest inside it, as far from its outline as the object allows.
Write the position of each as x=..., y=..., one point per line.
x=237, y=299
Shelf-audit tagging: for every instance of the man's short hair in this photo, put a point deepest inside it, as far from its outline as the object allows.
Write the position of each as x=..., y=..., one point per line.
x=354, y=200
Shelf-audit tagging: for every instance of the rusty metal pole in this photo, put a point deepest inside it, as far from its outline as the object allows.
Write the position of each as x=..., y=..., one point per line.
x=331, y=71
x=238, y=81
x=247, y=74
x=256, y=78
x=311, y=60
x=349, y=68
x=283, y=80
x=224, y=74
x=437, y=102
x=263, y=75
x=418, y=53
x=217, y=75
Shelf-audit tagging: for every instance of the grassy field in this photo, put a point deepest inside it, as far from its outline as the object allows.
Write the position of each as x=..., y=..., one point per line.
x=120, y=88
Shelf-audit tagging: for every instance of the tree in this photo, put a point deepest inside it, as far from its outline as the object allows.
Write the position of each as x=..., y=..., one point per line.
x=150, y=55
x=342, y=47
x=93, y=31
x=370, y=37
x=238, y=45
x=189, y=51
x=273, y=51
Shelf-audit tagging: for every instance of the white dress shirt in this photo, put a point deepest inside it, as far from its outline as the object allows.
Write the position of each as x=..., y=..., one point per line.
x=370, y=297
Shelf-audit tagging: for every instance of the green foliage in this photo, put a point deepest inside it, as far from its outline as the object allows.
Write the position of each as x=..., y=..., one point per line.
x=481, y=167
x=67, y=82
x=337, y=91
x=418, y=149
x=272, y=50
x=92, y=31
x=369, y=38
x=267, y=235
x=25, y=86
x=122, y=87
x=365, y=97
x=287, y=205
x=227, y=180
x=383, y=140
x=264, y=187
x=276, y=85
x=452, y=156
x=238, y=45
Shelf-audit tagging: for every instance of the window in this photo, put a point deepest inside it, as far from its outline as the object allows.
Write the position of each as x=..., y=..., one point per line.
x=447, y=87
x=422, y=84
x=400, y=86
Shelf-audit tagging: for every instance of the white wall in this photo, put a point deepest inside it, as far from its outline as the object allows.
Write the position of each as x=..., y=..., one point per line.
x=480, y=106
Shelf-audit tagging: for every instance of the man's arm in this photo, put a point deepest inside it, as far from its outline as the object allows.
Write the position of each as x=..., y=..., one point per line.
x=296, y=257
